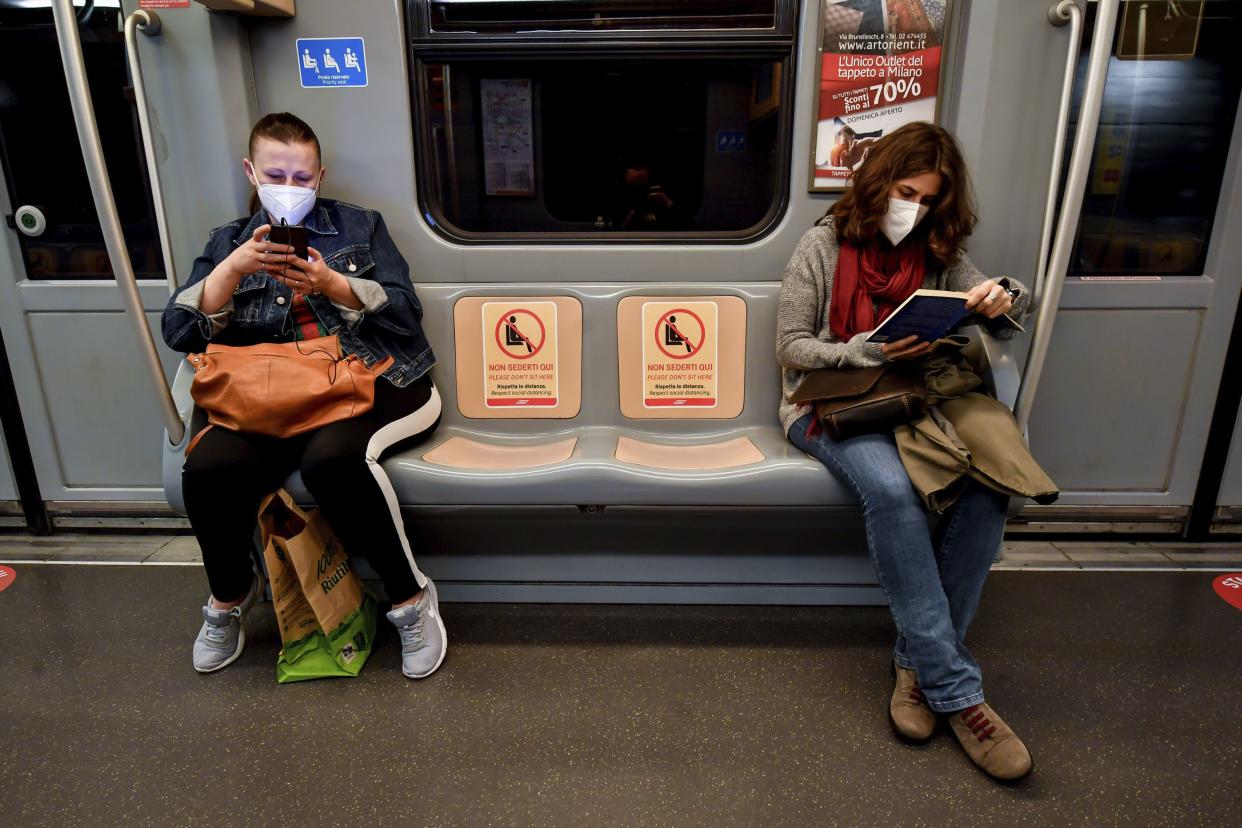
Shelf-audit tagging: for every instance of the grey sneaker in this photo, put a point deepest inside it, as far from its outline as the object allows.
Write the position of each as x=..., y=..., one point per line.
x=221, y=639
x=423, y=640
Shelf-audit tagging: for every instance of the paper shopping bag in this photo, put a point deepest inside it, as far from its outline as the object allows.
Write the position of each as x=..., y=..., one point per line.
x=326, y=618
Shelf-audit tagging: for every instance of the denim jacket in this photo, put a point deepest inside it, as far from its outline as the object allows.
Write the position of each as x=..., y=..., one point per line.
x=354, y=242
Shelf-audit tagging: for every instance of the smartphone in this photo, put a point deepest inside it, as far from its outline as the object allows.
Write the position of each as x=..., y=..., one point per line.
x=294, y=234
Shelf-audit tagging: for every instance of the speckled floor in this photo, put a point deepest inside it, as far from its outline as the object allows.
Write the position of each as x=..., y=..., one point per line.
x=1124, y=684
x=157, y=548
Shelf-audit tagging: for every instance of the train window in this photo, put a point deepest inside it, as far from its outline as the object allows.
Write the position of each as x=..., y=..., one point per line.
x=634, y=147
x=592, y=136
x=39, y=149
x=506, y=16
x=1168, y=115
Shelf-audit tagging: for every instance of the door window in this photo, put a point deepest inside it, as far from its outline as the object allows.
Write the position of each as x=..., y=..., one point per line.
x=40, y=153
x=1170, y=100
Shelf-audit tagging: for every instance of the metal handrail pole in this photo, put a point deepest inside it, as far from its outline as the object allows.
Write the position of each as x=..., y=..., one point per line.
x=1071, y=208
x=148, y=22
x=1061, y=12
x=105, y=205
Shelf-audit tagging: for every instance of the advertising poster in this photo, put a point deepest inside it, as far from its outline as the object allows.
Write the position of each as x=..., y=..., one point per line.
x=679, y=354
x=520, y=365
x=508, y=145
x=879, y=69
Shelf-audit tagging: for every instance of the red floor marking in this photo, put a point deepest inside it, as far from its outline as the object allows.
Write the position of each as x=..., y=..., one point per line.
x=7, y=576
x=1227, y=586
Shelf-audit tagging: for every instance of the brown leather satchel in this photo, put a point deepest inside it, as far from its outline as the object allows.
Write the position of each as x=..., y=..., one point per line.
x=854, y=401
x=282, y=389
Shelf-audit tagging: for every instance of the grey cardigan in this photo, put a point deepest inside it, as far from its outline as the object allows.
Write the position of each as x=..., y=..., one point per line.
x=803, y=339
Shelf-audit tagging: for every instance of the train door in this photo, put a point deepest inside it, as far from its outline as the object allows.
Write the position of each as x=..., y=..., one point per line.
x=1228, y=512
x=10, y=506
x=1126, y=403
x=20, y=502
x=9, y=509
x=87, y=413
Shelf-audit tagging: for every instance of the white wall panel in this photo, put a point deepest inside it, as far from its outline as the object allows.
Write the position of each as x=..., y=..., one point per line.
x=103, y=417
x=1109, y=412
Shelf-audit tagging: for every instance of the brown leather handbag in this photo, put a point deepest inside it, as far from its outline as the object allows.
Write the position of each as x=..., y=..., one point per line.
x=282, y=389
x=854, y=401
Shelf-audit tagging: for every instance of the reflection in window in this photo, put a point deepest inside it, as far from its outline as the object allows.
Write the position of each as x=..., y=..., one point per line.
x=634, y=146
x=1165, y=128
x=506, y=16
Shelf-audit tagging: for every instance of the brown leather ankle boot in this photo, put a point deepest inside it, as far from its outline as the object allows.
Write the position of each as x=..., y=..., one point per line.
x=912, y=719
x=990, y=743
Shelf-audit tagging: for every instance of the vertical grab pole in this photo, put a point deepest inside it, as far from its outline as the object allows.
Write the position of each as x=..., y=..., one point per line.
x=148, y=22
x=1071, y=208
x=109, y=220
x=1061, y=12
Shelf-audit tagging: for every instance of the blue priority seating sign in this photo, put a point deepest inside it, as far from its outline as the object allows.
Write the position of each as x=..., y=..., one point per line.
x=332, y=61
x=731, y=141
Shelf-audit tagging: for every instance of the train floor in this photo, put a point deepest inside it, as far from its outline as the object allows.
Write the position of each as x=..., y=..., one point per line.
x=1124, y=683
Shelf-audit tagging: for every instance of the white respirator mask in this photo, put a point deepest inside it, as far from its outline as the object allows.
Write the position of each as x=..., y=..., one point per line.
x=286, y=203
x=902, y=217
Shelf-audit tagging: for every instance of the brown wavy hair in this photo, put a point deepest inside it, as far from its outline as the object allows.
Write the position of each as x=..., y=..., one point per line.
x=286, y=128
x=914, y=149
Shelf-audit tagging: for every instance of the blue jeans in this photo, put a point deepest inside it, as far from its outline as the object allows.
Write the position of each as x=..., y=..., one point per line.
x=932, y=580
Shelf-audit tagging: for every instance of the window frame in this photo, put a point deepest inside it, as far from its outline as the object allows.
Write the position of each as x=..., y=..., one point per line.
x=418, y=19
x=426, y=48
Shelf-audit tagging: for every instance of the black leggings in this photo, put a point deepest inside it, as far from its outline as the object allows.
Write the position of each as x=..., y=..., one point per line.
x=228, y=474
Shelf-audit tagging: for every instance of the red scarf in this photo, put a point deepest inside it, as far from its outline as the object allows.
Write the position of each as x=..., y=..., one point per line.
x=869, y=285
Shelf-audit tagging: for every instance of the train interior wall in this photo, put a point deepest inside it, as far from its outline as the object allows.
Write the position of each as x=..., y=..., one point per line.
x=1156, y=348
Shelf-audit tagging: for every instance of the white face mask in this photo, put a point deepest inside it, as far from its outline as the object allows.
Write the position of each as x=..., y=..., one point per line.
x=284, y=201
x=901, y=218
x=287, y=203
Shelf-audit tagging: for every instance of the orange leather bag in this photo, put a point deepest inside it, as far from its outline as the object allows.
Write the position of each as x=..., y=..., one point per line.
x=282, y=389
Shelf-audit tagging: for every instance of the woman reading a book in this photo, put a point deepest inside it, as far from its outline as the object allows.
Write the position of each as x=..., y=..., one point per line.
x=900, y=228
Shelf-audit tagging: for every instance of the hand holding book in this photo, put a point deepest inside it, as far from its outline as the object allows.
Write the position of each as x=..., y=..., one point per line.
x=929, y=315
x=909, y=348
x=989, y=299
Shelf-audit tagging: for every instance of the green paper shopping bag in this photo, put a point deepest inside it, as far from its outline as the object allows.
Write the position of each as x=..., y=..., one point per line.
x=326, y=617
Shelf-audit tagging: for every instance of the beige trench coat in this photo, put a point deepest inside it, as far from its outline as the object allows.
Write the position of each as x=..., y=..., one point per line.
x=967, y=435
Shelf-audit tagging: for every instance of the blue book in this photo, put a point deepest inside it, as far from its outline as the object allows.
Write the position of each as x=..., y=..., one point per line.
x=931, y=314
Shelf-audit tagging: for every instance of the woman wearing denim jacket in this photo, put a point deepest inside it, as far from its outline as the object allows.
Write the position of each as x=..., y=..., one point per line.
x=899, y=227
x=354, y=284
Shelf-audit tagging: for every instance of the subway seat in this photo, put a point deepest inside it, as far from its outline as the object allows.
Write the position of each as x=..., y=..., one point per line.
x=592, y=475
x=598, y=457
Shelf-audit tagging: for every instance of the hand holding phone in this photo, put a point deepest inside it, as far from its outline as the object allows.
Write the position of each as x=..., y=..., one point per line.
x=291, y=234
x=311, y=276
x=259, y=253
